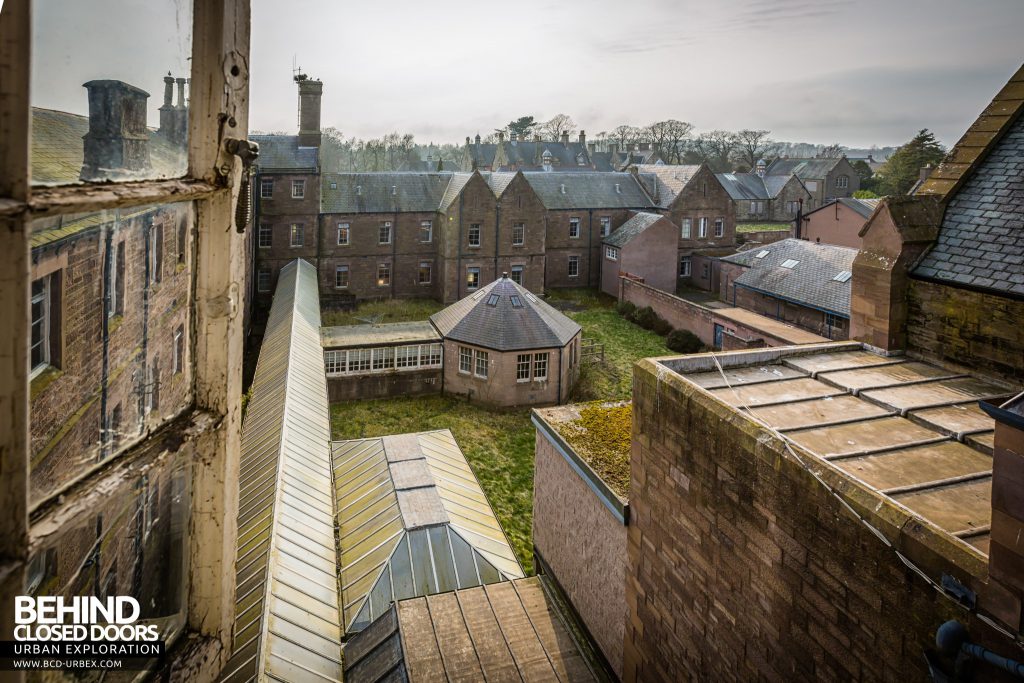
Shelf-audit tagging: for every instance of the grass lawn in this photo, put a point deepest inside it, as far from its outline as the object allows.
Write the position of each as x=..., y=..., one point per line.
x=499, y=444
x=387, y=311
x=763, y=227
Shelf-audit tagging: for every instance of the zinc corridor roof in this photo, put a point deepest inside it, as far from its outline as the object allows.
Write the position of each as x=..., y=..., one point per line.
x=412, y=520
x=911, y=430
x=287, y=616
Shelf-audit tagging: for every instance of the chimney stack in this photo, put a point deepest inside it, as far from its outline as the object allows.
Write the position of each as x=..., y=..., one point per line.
x=925, y=172
x=310, y=94
x=167, y=113
x=583, y=139
x=761, y=167
x=565, y=137
x=478, y=138
x=117, y=144
x=501, y=136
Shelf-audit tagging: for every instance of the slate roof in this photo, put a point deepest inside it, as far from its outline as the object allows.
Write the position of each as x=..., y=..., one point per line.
x=382, y=192
x=412, y=520
x=58, y=149
x=504, y=327
x=501, y=632
x=744, y=185
x=864, y=207
x=637, y=224
x=670, y=179
x=810, y=283
x=981, y=238
x=589, y=190
x=814, y=169
x=282, y=153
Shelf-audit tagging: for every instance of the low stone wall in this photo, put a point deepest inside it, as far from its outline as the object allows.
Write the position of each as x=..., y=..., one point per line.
x=384, y=385
x=766, y=236
x=579, y=534
x=680, y=313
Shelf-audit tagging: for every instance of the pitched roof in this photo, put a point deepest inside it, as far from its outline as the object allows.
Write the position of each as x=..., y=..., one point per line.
x=744, y=185
x=981, y=238
x=813, y=169
x=501, y=325
x=638, y=223
x=670, y=179
x=561, y=190
x=282, y=153
x=58, y=149
x=506, y=631
x=412, y=520
x=811, y=282
x=864, y=207
x=382, y=192
x=286, y=569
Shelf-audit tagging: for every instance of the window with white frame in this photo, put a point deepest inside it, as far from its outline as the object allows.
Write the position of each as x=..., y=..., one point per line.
x=334, y=362
x=178, y=361
x=266, y=188
x=756, y=208
x=465, y=359
x=298, y=189
x=518, y=234
x=606, y=226
x=263, y=279
x=574, y=227
x=407, y=356
x=341, y=277
x=523, y=363
x=686, y=228
x=719, y=227
x=384, y=233
x=383, y=274
x=359, y=360
x=843, y=182
x=517, y=275
x=404, y=357
x=344, y=234
x=574, y=266
x=473, y=236
x=426, y=231
x=684, y=266
x=298, y=235
x=472, y=277
x=265, y=239
x=540, y=367
x=426, y=272
x=386, y=358
x=40, y=356
x=480, y=370
x=611, y=253
x=702, y=227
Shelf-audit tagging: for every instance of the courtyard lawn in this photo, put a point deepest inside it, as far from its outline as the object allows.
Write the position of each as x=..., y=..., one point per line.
x=763, y=227
x=387, y=311
x=499, y=445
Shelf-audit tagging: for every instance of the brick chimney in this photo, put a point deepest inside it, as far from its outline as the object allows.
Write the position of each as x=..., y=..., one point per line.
x=310, y=93
x=501, y=137
x=565, y=137
x=925, y=172
x=174, y=117
x=1004, y=594
x=583, y=139
x=167, y=108
x=117, y=144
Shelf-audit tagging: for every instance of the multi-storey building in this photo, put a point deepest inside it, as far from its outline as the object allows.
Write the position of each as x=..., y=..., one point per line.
x=825, y=179
x=758, y=197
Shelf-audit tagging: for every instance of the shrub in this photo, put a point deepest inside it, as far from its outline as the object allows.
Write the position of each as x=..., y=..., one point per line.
x=626, y=309
x=661, y=326
x=645, y=317
x=683, y=341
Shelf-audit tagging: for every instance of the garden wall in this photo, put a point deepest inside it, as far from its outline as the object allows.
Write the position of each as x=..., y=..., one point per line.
x=384, y=385
x=579, y=537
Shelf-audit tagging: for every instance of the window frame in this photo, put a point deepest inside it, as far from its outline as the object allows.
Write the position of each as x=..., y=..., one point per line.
x=472, y=283
x=719, y=227
x=264, y=184
x=427, y=228
x=428, y=266
x=219, y=59
x=524, y=361
x=300, y=185
x=702, y=227
x=611, y=253
x=344, y=229
x=573, y=260
x=541, y=363
x=44, y=322
x=481, y=360
x=384, y=274
x=574, y=227
x=685, y=266
x=265, y=230
x=473, y=235
x=339, y=269
x=465, y=360
x=606, y=225
x=515, y=270
x=385, y=233
x=518, y=234
x=297, y=229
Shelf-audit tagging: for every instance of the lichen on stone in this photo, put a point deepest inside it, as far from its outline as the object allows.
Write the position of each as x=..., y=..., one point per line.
x=601, y=436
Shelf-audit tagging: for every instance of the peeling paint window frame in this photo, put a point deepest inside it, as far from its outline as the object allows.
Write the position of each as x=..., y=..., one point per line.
x=574, y=266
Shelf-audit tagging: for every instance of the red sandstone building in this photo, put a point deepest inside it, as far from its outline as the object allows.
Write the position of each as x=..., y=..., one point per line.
x=839, y=222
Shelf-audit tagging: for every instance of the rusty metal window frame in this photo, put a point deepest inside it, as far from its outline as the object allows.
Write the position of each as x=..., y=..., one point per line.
x=218, y=110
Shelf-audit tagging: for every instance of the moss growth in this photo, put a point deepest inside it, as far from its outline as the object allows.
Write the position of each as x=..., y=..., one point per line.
x=763, y=227
x=387, y=311
x=43, y=380
x=601, y=436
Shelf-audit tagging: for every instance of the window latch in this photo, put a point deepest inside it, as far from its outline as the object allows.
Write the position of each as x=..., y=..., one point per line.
x=248, y=152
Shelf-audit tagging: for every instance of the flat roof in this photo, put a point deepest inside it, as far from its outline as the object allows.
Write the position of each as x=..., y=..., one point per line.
x=358, y=336
x=776, y=328
x=909, y=429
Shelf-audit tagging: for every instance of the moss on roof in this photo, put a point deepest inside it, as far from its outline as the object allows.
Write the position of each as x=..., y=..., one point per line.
x=601, y=436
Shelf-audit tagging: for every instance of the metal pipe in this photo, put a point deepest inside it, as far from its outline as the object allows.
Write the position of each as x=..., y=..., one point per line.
x=951, y=638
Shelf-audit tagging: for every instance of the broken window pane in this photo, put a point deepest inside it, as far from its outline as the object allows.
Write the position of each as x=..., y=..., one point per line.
x=113, y=106
x=103, y=316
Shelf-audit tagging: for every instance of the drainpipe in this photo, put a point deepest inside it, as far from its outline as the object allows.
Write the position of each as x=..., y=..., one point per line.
x=394, y=252
x=560, y=374
x=590, y=244
x=109, y=259
x=497, y=232
x=147, y=277
x=458, y=251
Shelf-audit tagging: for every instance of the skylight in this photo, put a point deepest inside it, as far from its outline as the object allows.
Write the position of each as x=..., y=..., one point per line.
x=761, y=254
x=516, y=301
x=790, y=263
x=843, y=276
x=492, y=300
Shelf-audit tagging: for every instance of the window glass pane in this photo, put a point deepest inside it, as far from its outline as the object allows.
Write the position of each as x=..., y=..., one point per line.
x=110, y=316
x=133, y=542
x=114, y=107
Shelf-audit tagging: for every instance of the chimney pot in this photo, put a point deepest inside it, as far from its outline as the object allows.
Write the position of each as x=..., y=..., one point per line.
x=467, y=140
x=501, y=136
x=583, y=138
x=310, y=96
x=565, y=137
x=394, y=190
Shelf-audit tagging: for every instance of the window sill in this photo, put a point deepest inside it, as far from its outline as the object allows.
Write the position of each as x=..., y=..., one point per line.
x=43, y=379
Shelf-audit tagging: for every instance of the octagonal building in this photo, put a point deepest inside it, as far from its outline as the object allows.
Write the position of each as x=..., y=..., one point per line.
x=506, y=347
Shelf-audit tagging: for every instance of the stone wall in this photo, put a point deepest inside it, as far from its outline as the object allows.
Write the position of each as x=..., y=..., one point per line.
x=966, y=328
x=384, y=385
x=580, y=539
x=741, y=566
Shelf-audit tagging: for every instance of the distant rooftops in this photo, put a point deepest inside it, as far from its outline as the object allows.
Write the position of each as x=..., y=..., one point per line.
x=282, y=153
x=752, y=185
x=864, y=207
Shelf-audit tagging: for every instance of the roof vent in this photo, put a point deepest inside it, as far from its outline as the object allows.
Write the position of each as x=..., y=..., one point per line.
x=394, y=190
x=563, y=188
x=359, y=189
x=504, y=276
x=618, y=188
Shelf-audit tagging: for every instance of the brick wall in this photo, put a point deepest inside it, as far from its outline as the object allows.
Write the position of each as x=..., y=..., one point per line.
x=765, y=236
x=966, y=328
x=742, y=567
x=500, y=387
x=580, y=540
x=837, y=224
x=384, y=385
x=806, y=318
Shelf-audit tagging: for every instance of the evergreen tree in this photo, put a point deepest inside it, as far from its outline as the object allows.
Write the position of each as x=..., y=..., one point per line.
x=903, y=168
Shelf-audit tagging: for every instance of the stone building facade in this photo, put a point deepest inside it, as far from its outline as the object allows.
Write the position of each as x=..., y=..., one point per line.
x=838, y=222
x=760, y=198
x=825, y=179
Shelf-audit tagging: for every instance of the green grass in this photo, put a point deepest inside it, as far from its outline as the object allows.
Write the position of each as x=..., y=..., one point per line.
x=387, y=311
x=763, y=227
x=498, y=444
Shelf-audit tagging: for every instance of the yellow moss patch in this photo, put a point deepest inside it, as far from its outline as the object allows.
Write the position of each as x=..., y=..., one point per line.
x=601, y=436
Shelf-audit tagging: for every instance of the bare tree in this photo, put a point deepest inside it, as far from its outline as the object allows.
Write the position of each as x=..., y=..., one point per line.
x=715, y=148
x=833, y=151
x=753, y=145
x=626, y=135
x=669, y=137
x=559, y=123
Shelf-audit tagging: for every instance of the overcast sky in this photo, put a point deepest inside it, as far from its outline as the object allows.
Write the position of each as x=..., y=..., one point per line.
x=860, y=73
